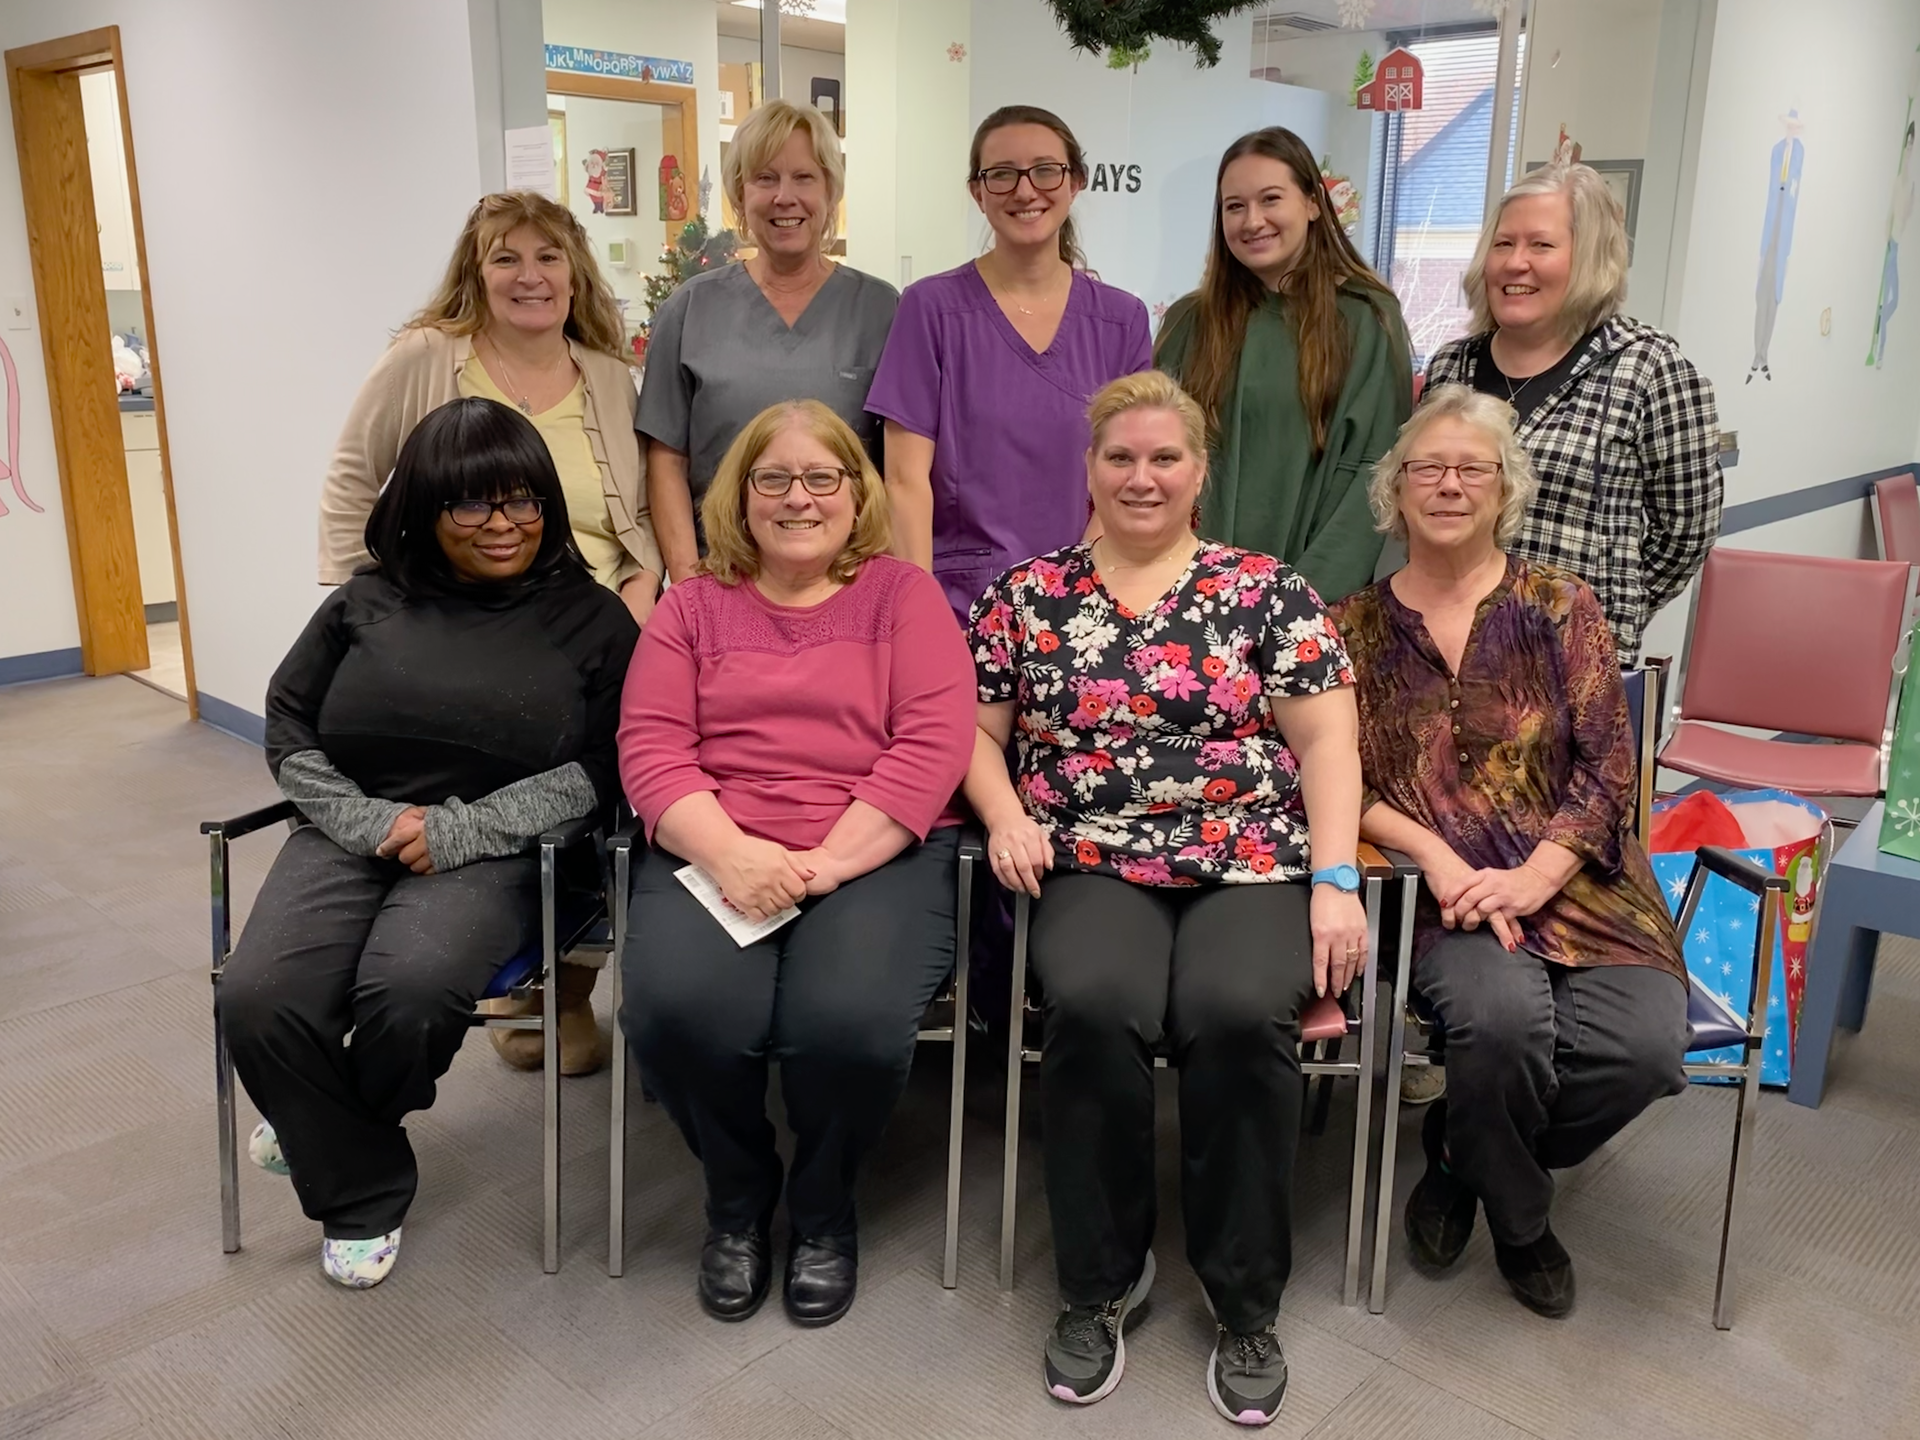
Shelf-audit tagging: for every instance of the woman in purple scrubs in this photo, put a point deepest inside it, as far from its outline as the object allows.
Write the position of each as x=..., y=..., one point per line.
x=986, y=376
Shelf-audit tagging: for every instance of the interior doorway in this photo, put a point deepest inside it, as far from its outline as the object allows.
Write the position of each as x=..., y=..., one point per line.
x=82, y=199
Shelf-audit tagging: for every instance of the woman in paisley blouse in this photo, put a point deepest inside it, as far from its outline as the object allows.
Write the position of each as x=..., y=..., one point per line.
x=1498, y=755
x=1187, y=765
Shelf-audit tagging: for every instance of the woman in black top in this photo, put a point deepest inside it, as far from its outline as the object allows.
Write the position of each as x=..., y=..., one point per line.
x=443, y=708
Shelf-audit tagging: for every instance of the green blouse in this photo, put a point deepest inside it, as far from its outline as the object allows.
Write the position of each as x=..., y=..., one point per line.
x=1266, y=488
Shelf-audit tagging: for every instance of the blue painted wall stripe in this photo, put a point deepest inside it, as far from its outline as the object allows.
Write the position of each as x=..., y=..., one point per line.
x=43, y=665
x=1751, y=514
x=225, y=715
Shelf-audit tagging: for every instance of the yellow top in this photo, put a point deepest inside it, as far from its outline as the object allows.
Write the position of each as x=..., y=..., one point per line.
x=563, y=427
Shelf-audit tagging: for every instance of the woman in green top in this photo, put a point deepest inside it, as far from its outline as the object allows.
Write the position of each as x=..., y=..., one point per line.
x=1297, y=352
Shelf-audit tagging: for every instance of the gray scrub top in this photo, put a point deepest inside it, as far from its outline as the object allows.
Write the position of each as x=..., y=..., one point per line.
x=719, y=353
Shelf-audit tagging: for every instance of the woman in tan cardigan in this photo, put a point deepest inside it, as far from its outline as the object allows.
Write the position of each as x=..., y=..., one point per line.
x=523, y=317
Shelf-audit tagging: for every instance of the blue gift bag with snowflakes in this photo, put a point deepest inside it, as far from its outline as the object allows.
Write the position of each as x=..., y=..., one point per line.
x=1719, y=945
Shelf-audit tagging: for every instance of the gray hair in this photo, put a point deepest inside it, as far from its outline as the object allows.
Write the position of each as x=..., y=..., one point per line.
x=1493, y=417
x=1597, y=283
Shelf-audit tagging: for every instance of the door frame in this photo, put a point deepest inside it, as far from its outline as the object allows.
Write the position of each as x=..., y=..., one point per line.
x=680, y=97
x=43, y=86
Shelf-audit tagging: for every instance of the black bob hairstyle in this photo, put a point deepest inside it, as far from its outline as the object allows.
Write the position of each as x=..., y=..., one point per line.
x=467, y=449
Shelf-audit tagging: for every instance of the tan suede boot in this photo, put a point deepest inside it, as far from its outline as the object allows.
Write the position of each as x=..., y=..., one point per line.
x=582, y=1049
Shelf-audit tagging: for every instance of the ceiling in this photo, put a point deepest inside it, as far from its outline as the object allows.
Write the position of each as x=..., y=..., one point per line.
x=808, y=34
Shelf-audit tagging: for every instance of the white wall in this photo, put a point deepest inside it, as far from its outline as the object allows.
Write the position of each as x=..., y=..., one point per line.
x=266, y=321
x=667, y=29
x=1825, y=414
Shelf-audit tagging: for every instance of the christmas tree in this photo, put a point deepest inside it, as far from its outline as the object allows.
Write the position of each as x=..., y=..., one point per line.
x=697, y=251
x=1131, y=26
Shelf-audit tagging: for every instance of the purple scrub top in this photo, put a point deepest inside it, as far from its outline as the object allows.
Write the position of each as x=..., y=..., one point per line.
x=1009, y=427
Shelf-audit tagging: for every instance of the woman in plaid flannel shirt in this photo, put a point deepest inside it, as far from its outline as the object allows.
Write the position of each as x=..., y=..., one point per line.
x=1621, y=429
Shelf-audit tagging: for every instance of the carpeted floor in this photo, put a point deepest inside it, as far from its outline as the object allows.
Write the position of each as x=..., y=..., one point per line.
x=119, y=1316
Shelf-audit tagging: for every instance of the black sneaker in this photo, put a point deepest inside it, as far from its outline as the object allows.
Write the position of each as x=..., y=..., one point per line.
x=1247, y=1376
x=1088, y=1350
x=1440, y=1211
x=1540, y=1275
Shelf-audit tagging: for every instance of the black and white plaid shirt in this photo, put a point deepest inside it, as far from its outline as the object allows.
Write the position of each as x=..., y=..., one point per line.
x=1628, y=455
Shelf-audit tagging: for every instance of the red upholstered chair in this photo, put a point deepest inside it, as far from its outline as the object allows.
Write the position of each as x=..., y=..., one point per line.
x=1794, y=643
x=1896, y=518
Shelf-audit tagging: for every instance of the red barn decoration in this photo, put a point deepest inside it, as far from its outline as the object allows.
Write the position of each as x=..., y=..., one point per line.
x=1399, y=83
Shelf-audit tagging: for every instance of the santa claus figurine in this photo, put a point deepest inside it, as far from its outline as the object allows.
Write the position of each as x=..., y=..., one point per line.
x=596, y=165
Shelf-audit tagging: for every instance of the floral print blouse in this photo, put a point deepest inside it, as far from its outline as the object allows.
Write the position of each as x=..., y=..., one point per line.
x=1145, y=743
x=1529, y=742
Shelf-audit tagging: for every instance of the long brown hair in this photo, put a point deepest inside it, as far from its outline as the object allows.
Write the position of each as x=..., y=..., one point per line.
x=1010, y=115
x=1229, y=293
x=459, y=306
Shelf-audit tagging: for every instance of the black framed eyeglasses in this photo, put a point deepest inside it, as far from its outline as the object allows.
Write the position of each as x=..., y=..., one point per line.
x=1005, y=179
x=1432, y=472
x=821, y=480
x=472, y=514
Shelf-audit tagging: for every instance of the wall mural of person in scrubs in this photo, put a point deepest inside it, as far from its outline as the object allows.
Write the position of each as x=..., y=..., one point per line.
x=1900, y=212
x=1776, y=239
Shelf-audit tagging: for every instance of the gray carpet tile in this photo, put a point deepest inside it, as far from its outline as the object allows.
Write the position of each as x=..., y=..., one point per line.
x=120, y=1316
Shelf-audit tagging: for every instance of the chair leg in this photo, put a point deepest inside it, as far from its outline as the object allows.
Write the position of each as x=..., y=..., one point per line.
x=223, y=1078
x=1329, y=1051
x=956, y=1109
x=1390, y=1131
x=1362, y=1104
x=1016, y=1047
x=1743, y=1114
x=617, y=1098
x=550, y=1074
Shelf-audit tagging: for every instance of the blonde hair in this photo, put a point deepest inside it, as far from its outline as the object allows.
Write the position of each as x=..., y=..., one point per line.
x=1490, y=415
x=763, y=134
x=459, y=306
x=1148, y=390
x=731, y=550
x=1597, y=282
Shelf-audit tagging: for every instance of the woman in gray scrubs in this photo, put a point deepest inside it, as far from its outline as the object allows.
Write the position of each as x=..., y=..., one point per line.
x=785, y=324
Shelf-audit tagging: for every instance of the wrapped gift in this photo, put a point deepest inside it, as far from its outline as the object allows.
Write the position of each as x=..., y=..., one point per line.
x=1900, y=826
x=1780, y=833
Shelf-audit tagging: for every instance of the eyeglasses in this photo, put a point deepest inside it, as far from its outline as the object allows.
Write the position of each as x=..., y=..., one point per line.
x=822, y=480
x=472, y=514
x=1005, y=179
x=1432, y=472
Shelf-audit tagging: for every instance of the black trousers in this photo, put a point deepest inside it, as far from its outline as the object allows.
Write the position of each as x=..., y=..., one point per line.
x=836, y=996
x=1218, y=975
x=1545, y=1064
x=347, y=998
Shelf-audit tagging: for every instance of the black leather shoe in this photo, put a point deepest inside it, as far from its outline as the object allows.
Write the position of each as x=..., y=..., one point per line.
x=1540, y=1275
x=736, y=1271
x=821, y=1275
x=1440, y=1210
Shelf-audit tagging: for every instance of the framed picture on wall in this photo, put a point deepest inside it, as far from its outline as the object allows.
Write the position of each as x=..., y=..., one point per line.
x=1623, y=179
x=619, y=182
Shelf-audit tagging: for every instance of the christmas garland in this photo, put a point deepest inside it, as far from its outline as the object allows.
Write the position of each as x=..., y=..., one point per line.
x=1131, y=25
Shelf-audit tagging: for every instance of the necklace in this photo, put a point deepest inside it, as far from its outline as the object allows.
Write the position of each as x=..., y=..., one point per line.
x=1006, y=293
x=525, y=402
x=1175, y=552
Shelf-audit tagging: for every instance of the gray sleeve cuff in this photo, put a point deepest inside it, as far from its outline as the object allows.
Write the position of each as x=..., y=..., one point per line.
x=351, y=819
x=507, y=821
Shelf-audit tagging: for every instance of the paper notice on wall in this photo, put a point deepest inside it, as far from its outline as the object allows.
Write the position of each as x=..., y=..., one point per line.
x=744, y=931
x=530, y=160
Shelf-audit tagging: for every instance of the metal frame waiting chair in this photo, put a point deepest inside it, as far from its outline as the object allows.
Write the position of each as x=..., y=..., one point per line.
x=945, y=1022
x=1896, y=518
x=569, y=921
x=1711, y=1025
x=1325, y=1021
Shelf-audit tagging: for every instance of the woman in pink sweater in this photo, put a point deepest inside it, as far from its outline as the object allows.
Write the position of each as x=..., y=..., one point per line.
x=795, y=723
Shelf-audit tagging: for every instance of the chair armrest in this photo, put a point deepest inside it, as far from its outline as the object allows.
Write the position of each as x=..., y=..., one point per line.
x=253, y=820
x=1398, y=861
x=1373, y=863
x=630, y=835
x=973, y=841
x=565, y=837
x=1737, y=868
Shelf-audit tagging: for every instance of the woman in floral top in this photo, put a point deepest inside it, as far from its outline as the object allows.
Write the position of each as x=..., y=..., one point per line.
x=1498, y=756
x=1187, y=759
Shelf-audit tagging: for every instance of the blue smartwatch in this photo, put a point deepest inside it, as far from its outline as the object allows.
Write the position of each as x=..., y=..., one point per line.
x=1342, y=877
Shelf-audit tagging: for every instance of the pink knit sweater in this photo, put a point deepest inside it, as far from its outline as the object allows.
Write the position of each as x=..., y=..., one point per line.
x=788, y=714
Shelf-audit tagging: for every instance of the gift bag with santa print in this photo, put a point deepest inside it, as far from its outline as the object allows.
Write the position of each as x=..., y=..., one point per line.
x=1900, y=826
x=1780, y=833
